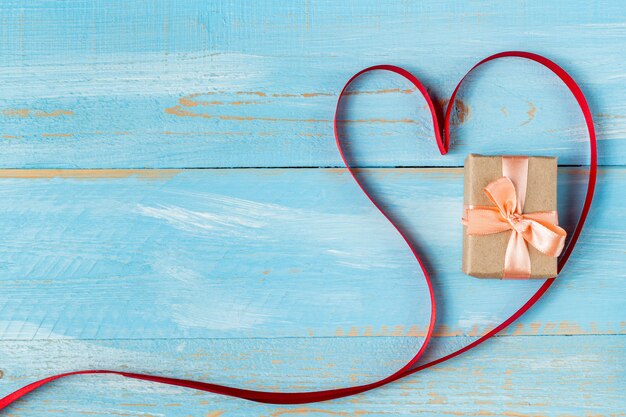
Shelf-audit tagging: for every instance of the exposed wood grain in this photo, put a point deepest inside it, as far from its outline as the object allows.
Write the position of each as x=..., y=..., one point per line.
x=577, y=376
x=278, y=252
x=242, y=84
x=89, y=173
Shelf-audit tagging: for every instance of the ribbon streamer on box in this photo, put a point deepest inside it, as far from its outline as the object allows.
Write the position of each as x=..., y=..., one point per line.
x=539, y=229
x=442, y=138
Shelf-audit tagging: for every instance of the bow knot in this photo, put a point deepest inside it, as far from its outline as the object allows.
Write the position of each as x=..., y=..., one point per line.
x=539, y=229
x=514, y=219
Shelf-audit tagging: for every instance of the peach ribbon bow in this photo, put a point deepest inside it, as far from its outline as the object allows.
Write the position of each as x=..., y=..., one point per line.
x=539, y=229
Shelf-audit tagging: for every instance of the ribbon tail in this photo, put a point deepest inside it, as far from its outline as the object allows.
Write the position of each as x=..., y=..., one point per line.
x=545, y=236
x=516, y=258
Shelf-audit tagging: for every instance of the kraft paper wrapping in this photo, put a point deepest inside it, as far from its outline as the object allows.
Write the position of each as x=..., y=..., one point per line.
x=483, y=256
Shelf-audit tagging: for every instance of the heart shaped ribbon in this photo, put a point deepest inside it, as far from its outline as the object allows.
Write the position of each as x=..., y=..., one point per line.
x=443, y=143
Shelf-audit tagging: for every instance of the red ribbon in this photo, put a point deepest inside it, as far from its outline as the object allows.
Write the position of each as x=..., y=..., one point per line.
x=443, y=142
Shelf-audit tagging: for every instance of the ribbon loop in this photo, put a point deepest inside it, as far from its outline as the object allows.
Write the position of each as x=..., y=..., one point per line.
x=502, y=193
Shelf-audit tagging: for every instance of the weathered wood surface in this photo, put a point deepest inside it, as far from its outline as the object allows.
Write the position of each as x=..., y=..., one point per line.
x=263, y=277
x=197, y=255
x=137, y=254
x=510, y=376
x=190, y=84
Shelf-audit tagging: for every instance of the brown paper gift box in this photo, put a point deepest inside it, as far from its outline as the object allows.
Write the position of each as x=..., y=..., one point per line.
x=483, y=256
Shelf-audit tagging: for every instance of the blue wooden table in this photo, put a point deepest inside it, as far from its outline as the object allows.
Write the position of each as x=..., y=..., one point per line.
x=173, y=203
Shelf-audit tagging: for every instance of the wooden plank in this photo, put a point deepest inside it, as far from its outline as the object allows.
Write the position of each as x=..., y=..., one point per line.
x=231, y=84
x=126, y=254
x=510, y=376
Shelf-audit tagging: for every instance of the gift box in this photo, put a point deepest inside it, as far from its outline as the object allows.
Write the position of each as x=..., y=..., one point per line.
x=510, y=221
